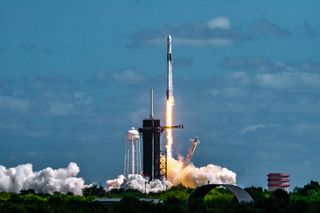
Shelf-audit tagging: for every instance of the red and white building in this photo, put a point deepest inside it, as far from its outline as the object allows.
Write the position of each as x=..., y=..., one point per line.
x=278, y=181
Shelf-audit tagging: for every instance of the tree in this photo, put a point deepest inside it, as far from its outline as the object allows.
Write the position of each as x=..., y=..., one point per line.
x=93, y=190
x=311, y=187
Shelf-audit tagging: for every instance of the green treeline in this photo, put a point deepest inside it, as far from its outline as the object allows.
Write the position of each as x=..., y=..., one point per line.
x=301, y=199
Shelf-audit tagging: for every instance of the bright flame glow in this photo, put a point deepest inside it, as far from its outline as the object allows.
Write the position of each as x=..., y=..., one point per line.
x=169, y=122
x=191, y=176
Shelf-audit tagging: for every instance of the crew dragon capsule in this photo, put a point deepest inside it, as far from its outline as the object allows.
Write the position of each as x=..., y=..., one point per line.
x=169, y=69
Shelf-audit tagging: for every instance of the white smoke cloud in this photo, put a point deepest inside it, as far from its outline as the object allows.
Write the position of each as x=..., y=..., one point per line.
x=137, y=182
x=47, y=180
x=191, y=176
x=65, y=180
x=115, y=183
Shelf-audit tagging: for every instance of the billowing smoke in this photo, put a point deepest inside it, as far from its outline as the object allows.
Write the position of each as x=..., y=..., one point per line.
x=47, y=180
x=191, y=176
x=137, y=182
x=115, y=183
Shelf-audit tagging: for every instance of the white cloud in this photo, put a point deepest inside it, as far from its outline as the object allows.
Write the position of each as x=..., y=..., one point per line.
x=101, y=75
x=229, y=92
x=60, y=108
x=129, y=76
x=196, y=42
x=255, y=127
x=252, y=128
x=216, y=42
x=306, y=128
x=265, y=65
x=240, y=77
x=220, y=22
x=215, y=33
x=13, y=104
x=288, y=80
x=83, y=99
x=266, y=28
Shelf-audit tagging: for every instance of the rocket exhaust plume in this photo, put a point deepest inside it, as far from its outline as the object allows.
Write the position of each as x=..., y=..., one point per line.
x=170, y=100
x=192, y=177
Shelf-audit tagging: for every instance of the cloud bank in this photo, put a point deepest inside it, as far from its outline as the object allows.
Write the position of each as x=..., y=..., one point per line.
x=47, y=180
x=217, y=32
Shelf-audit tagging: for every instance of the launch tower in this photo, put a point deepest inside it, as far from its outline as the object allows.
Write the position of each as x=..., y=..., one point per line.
x=154, y=161
x=151, y=130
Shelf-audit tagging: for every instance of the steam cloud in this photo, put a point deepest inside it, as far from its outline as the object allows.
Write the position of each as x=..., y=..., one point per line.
x=65, y=180
x=137, y=182
x=47, y=180
x=192, y=177
x=189, y=176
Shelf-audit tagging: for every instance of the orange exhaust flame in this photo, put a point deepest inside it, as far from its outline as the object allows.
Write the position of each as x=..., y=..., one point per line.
x=169, y=122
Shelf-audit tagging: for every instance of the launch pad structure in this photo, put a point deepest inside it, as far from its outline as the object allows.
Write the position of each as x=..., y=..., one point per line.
x=154, y=160
x=151, y=131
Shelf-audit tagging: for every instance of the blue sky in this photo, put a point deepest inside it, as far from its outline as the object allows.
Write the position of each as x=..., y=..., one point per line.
x=75, y=77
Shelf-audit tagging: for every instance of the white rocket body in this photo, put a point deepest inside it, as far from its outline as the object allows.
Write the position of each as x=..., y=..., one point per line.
x=169, y=69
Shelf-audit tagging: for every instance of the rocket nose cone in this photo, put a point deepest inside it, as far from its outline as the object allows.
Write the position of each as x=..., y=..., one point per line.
x=169, y=39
